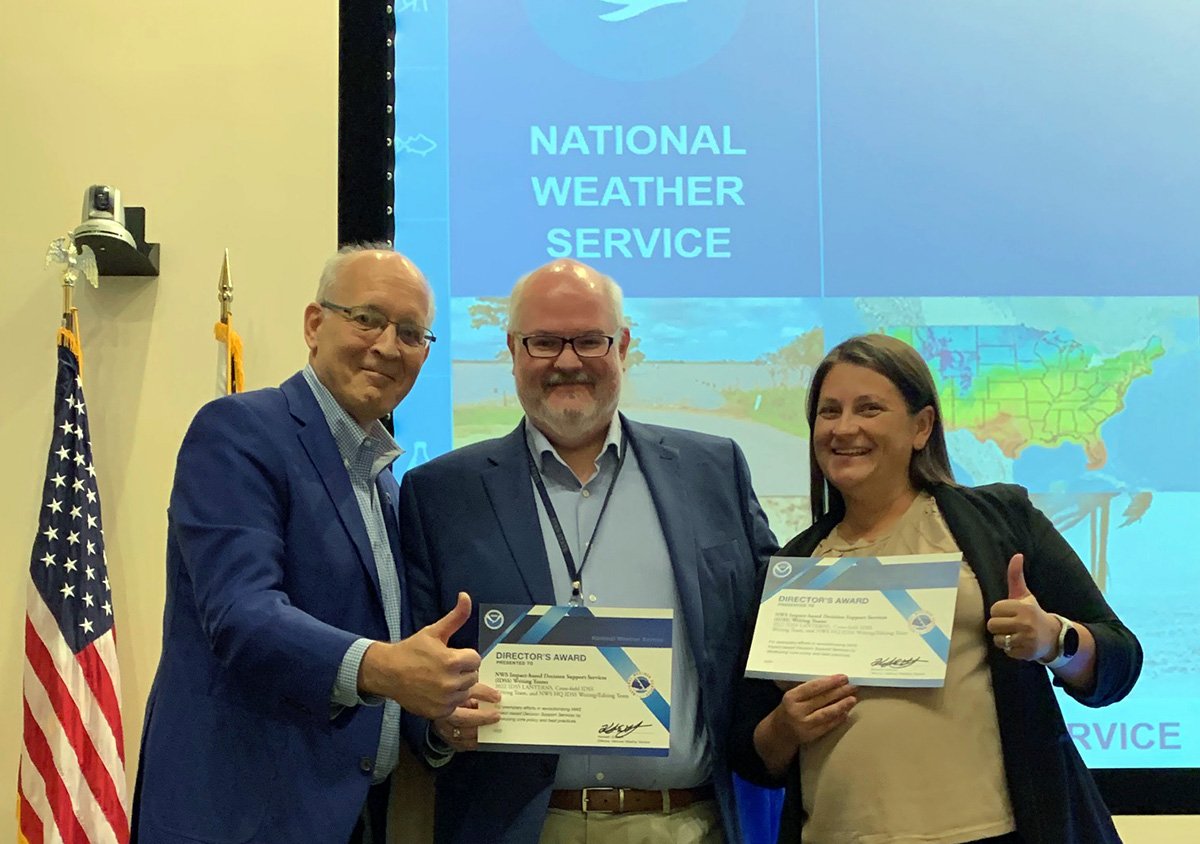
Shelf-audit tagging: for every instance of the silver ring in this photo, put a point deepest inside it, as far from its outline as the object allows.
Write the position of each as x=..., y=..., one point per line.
x=457, y=733
x=1007, y=646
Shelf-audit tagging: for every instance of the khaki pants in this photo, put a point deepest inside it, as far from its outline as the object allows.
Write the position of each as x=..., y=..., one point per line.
x=697, y=824
x=410, y=812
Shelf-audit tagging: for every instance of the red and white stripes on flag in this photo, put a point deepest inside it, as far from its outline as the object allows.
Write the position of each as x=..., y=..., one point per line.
x=71, y=786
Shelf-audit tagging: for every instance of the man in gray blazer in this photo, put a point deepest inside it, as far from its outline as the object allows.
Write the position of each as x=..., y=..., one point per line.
x=580, y=503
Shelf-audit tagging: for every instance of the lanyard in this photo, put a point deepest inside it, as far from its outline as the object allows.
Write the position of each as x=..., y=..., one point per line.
x=575, y=573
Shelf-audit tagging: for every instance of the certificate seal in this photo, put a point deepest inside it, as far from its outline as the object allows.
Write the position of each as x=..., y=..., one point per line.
x=492, y=619
x=921, y=622
x=641, y=684
x=781, y=569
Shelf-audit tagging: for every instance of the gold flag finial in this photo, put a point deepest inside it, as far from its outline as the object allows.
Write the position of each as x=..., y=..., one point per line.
x=225, y=289
x=230, y=375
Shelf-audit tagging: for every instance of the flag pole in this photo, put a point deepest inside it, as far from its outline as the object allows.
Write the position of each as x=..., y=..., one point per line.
x=230, y=374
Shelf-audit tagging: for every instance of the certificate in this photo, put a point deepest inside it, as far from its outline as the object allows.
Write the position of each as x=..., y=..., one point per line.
x=577, y=680
x=881, y=621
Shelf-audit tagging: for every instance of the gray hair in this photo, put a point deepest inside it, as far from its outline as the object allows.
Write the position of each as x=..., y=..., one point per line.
x=332, y=271
x=616, y=299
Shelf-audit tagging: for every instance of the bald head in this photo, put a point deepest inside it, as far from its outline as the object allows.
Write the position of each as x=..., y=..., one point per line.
x=564, y=278
x=370, y=258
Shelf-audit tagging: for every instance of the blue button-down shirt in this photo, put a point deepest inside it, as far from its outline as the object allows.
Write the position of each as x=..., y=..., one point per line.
x=365, y=454
x=629, y=566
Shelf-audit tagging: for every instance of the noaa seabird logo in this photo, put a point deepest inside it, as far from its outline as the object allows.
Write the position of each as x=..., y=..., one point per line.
x=641, y=684
x=633, y=8
x=781, y=569
x=922, y=621
x=635, y=40
x=492, y=619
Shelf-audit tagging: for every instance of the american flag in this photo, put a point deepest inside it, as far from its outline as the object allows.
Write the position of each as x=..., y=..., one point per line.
x=71, y=786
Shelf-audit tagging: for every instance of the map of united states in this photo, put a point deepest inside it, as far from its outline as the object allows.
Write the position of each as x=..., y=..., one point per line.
x=1022, y=387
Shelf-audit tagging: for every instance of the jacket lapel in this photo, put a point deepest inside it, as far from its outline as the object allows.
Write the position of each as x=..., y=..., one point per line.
x=510, y=491
x=978, y=545
x=663, y=471
x=317, y=441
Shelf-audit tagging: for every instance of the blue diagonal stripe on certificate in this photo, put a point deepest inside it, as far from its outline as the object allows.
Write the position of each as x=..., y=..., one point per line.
x=504, y=633
x=870, y=573
x=543, y=625
x=831, y=573
x=654, y=701
x=799, y=568
x=938, y=641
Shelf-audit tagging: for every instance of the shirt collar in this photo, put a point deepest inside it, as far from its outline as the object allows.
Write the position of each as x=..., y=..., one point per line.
x=542, y=448
x=348, y=434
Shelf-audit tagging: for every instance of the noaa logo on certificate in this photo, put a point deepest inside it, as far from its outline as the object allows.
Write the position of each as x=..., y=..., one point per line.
x=641, y=684
x=492, y=619
x=921, y=621
x=781, y=569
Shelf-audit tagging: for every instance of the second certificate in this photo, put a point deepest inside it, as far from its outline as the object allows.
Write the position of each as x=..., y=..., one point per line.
x=882, y=621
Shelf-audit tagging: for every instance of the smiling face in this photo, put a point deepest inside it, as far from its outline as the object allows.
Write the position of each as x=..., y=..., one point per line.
x=369, y=376
x=864, y=436
x=568, y=398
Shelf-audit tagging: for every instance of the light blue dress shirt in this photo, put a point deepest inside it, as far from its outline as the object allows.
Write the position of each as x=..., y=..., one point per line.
x=365, y=454
x=629, y=566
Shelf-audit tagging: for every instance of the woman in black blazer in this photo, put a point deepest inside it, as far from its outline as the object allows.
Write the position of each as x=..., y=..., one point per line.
x=877, y=457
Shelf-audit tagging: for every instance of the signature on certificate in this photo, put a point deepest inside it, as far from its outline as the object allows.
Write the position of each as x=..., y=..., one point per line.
x=619, y=730
x=895, y=661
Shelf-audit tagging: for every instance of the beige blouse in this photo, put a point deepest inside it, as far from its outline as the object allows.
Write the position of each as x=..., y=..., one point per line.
x=913, y=766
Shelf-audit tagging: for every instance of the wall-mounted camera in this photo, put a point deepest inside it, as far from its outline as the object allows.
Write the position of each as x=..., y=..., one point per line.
x=116, y=234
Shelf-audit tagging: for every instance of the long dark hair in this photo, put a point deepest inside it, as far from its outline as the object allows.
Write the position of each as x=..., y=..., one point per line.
x=901, y=364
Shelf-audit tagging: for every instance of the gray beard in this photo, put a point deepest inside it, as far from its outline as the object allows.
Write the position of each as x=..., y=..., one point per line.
x=570, y=427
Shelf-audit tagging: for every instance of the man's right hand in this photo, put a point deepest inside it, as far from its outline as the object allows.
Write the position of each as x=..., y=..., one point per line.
x=422, y=673
x=460, y=729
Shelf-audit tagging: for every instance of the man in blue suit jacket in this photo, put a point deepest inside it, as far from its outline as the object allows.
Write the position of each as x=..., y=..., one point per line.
x=276, y=708
x=681, y=529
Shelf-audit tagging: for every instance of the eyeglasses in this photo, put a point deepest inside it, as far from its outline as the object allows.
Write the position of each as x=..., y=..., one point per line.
x=371, y=323
x=585, y=345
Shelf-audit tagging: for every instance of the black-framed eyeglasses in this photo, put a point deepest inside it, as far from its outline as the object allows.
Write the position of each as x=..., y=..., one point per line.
x=372, y=322
x=550, y=346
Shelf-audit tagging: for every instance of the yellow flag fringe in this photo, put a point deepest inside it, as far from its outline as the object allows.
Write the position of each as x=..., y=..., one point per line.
x=235, y=375
x=70, y=339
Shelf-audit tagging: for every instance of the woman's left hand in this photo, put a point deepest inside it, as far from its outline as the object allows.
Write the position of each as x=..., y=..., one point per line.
x=1018, y=624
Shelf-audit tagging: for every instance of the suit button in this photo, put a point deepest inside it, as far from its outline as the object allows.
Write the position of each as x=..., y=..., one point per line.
x=366, y=764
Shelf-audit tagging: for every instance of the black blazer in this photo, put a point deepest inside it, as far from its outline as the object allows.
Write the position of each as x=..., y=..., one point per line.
x=1054, y=798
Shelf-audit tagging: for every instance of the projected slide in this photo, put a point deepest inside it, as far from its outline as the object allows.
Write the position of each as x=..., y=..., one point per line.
x=1011, y=187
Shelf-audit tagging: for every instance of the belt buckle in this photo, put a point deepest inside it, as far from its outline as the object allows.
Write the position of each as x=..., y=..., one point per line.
x=620, y=801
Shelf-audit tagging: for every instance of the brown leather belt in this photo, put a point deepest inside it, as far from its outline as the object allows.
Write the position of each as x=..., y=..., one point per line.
x=621, y=801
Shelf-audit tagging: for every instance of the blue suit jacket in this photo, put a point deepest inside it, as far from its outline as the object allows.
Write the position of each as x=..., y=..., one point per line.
x=270, y=578
x=469, y=523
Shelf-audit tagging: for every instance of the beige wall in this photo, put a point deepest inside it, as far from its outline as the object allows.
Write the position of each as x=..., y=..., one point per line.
x=220, y=117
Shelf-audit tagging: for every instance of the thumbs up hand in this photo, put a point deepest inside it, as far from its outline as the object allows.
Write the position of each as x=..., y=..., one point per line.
x=1018, y=624
x=449, y=624
x=423, y=673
